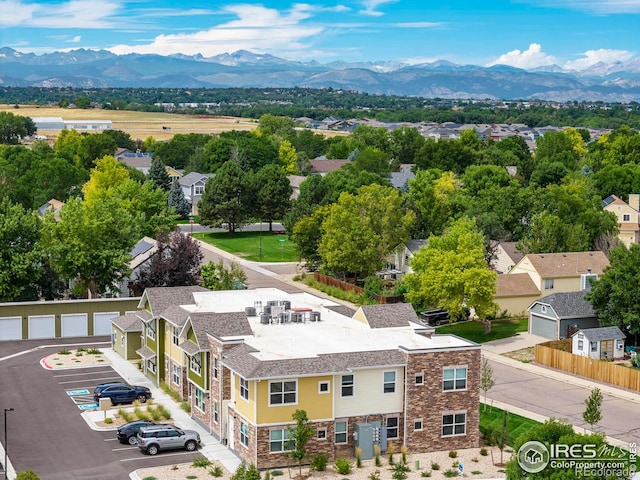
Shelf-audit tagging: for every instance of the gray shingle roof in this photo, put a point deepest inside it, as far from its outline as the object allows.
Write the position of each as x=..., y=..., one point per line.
x=400, y=180
x=194, y=177
x=241, y=361
x=175, y=315
x=389, y=315
x=219, y=325
x=569, y=304
x=161, y=298
x=146, y=353
x=342, y=310
x=416, y=244
x=603, y=333
x=128, y=322
x=189, y=347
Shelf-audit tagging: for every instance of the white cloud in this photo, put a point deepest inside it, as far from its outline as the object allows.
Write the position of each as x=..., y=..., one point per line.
x=604, y=55
x=418, y=24
x=600, y=7
x=71, y=14
x=76, y=39
x=256, y=28
x=371, y=5
x=531, y=58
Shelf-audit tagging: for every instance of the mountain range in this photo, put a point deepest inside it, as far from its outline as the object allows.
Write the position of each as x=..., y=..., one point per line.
x=617, y=82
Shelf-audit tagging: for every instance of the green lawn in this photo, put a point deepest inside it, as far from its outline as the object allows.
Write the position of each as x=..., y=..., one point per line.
x=491, y=419
x=474, y=331
x=275, y=247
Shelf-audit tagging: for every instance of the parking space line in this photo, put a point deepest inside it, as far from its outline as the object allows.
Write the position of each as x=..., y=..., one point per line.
x=110, y=439
x=85, y=373
x=146, y=457
x=92, y=380
x=124, y=448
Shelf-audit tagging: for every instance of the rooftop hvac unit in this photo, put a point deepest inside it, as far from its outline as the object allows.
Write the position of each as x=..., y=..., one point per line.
x=296, y=317
x=265, y=318
x=266, y=309
x=271, y=303
x=315, y=316
x=286, y=304
x=250, y=311
x=258, y=306
x=283, y=317
x=276, y=310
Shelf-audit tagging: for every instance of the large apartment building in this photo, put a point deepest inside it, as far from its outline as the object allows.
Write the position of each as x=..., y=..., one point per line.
x=246, y=360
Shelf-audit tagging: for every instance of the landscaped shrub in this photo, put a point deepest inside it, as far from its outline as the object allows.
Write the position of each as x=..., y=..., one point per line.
x=450, y=473
x=484, y=452
x=453, y=454
x=276, y=473
x=343, y=466
x=374, y=475
x=426, y=473
x=27, y=475
x=64, y=351
x=94, y=351
x=201, y=462
x=216, y=471
x=126, y=416
x=435, y=466
x=108, y=420
x=319, y=462
x=185, y=406
x=400, y=471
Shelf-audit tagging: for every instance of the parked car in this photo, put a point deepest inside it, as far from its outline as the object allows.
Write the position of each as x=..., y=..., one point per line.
x=128, y=432
x=435, y=317
x=120, y=392
x=155, y=438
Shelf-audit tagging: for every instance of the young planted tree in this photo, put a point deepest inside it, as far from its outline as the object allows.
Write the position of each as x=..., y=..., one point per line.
x=501, y=435
x=299, y=436
x=593, y=411
x=486, y=379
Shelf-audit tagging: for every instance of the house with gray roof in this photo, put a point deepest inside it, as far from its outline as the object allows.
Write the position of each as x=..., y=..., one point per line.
x=246, y=360
x=557, y=315
x=603, y=343
x=193, y=185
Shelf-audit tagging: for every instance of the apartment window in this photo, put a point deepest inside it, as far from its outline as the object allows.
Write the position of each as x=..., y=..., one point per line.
x=279, y=440
x=322, y=434
x=216, y=415
x=389, y=383
x=626, y=217
x=580, y=344
x=244, y=388
x=594, y=346
x=283, y=393
x=176, y=374
x=392, y=427
x=347, y=386
x=244, y=434
x=340, y=432
x=215, y=368
x=323, y=387
x=454, y=378
x=176, y=336
x=151, y=365
x=151, y=330
x=199, y=399
x=548, y=283
x=417, y=424
x=419, y=379
x=454, y=424
x=195, y=364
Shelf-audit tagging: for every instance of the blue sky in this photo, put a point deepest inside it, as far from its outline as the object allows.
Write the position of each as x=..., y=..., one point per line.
x=522, y=33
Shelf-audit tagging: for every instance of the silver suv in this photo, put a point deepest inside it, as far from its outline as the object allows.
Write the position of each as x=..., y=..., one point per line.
x=154, y=438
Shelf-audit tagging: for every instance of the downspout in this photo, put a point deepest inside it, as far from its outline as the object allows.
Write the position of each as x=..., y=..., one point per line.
x=406, y=404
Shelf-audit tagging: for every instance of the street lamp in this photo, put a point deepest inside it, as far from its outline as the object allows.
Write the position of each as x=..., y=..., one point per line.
x=6, y=443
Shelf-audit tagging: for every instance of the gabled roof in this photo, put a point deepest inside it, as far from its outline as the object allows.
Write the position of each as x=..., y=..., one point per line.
x=602, y=333
x=400, y=180
x=142, y=251
x=128, y=322
x=192, y=178
x=219, y=325
x=175, y=315
x=570, y=264
x=510, y=248
x=612, y=200
x=161, y=298
x=515, y=285
x=568, y=304
x=326, y=166
x=389, y=315
x=415, y=244
x=52, y=204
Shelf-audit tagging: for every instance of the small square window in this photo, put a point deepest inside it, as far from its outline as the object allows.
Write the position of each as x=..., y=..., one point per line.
x=417, y=424
x=419, y=379
x=580, y=344
x=322, y=434
x=548, y=283
x=323, y=387
x=594, y=346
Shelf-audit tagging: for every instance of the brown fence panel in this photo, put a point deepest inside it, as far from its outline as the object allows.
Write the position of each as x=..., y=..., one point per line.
x=607, y=372
x=350, y=287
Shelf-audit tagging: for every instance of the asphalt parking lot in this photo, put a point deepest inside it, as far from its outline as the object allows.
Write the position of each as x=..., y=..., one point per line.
x=46, y=431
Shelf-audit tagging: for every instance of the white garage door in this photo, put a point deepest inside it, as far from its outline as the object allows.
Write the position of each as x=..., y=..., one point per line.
x=544, y=327
x=74, y=325
x=42, y=326
x=11, y=328
x=102, y=322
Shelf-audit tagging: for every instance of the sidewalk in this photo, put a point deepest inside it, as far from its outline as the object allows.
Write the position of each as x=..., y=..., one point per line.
x=211, y=447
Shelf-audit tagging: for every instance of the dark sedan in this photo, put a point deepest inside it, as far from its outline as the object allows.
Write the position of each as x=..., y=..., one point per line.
x=121, y=393
x=127, y=433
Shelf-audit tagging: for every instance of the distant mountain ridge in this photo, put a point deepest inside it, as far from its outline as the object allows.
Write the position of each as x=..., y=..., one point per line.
x=617, y=82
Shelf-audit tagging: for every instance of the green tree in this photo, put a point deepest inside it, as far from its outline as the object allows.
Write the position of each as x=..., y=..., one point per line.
x=299, y=436
x=362, y=229
x=91, y=244
x=372, y=160
x=406, y=142
x=20, y=249
x=451, y=272
x=431, y=195
x=226, y=199
x=615, y=296
x=288, y=157
x=215, y=276
x=177, y=200
x=27, y=475
x=486, y=379
x=281, y=127
x=12, y=128
x=177, y=151
x=593, y=412
x=122, y=139
x=158, y=175
x=95, y=146
x=307, y=233
x=273, y=193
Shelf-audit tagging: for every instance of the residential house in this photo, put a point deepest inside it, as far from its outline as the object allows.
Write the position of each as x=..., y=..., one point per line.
x=193, y=185
x=628, y=216
x=558, y=315
x=398, y=262
x=295, y=181
x=52, y=205
x=140, y=255
x=505, y=256
x=324, y=166
x=603, y=343
x=400, y=180
x=126, y=335
x=549, y=272
x=246, y=360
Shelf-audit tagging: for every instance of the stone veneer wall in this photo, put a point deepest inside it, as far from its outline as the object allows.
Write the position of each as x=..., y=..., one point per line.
x=429, y=402
x=204, y=416
x=183, y=388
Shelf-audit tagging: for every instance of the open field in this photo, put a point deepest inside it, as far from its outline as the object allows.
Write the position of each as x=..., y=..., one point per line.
x=275, y=247
x=474, y=331
x=138, y=124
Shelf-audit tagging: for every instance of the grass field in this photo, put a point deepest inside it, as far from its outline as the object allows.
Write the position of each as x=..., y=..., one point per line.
x=275, y=247
x=138, y=124
x=474, y=331
x=491, y=419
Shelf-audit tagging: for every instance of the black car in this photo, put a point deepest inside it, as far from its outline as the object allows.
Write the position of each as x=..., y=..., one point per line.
x=435, y=317
x=128, y=432
x=120, y=392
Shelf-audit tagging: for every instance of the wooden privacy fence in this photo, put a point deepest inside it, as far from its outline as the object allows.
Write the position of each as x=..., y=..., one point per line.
x=607, y=372
x=350, y=287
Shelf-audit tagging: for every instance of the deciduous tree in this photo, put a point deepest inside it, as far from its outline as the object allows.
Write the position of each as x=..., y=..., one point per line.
x=215, y=276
